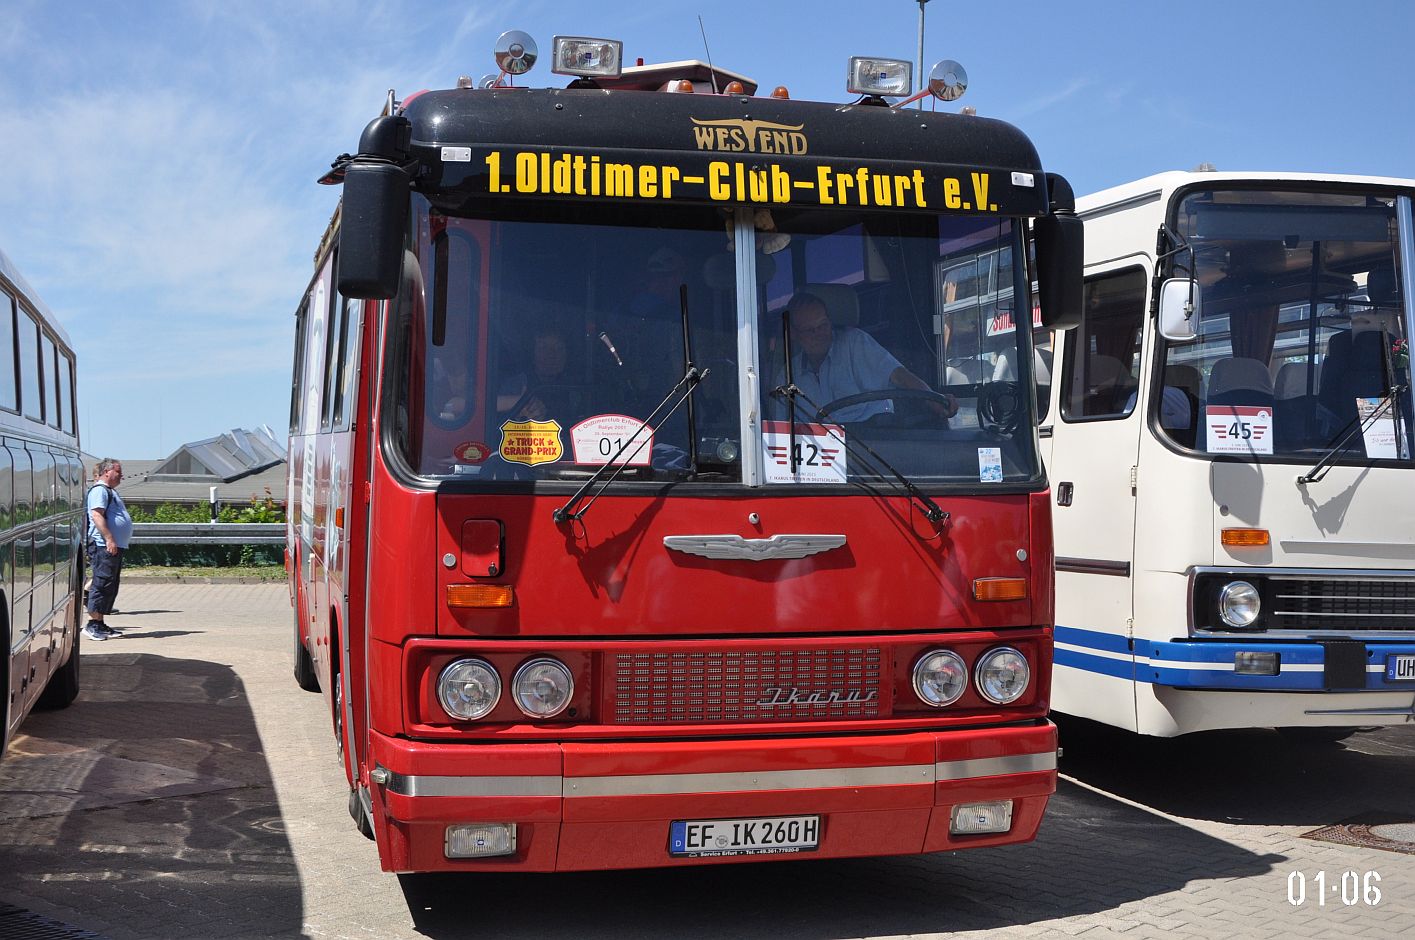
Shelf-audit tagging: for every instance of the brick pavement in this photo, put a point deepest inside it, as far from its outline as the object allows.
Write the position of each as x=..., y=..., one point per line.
x=192, y=790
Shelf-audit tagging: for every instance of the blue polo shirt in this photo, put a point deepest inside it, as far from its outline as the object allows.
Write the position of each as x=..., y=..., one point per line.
x=855, y=363
x=114, y=513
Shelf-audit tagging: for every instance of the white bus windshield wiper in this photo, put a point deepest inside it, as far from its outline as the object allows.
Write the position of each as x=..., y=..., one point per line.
x=1354, y=426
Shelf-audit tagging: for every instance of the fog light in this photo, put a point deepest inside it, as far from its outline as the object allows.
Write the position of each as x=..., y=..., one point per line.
x=1002, y=675
x=542, y=688
x=940, y=676
x=581, y=55
x=1257, y=664
x=971, y=819
x=480, y=840
x=1238, y=604
x=469, y=688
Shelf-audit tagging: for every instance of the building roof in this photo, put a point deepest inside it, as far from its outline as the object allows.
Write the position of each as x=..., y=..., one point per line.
x=239, y=464
x=229, y=456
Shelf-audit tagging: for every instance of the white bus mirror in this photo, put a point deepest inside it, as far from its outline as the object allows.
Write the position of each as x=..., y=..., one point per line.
x=1179, y=309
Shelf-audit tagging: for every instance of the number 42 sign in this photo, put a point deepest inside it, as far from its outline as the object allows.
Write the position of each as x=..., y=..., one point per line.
x=1239, y=429
x=820, y=452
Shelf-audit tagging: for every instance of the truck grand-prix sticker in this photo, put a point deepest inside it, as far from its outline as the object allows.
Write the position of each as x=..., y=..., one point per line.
x=531, y=442
x=597, y=440
x=820, y=452
x=1239, y=429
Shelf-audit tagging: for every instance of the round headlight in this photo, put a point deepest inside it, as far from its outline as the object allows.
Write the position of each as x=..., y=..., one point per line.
x=469, y=688
x=542, y=688
x=940, y=676
x=1002, y=675
x=1238, y=604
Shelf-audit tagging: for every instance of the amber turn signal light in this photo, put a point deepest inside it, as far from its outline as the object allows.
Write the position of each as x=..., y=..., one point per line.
x=1245, y=538
x=1000, y=589
x=479, y=595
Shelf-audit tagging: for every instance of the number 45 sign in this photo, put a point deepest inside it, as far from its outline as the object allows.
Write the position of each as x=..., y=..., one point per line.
x=820, y=452
x=1239, y=429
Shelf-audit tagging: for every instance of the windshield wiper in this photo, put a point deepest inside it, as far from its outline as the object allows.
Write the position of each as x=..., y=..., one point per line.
x=1353, y=427
x=931, y=510
x=692, y=378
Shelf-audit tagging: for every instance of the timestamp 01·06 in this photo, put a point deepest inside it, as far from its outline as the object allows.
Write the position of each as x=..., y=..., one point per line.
x=1351, y=887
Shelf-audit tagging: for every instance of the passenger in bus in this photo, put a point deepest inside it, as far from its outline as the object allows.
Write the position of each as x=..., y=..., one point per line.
x=110, y=529
x=833, y=359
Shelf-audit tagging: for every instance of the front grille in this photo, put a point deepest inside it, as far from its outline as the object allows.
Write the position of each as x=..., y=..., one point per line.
x=691, y=686
x=1348, y=604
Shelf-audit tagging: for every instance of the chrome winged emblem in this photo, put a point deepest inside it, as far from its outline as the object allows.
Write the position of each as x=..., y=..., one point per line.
x=736, y=548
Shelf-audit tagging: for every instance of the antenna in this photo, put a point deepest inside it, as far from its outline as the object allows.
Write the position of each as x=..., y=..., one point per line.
x=712, y=72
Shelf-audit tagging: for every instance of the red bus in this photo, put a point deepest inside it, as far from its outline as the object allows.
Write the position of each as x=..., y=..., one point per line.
x=640, y=514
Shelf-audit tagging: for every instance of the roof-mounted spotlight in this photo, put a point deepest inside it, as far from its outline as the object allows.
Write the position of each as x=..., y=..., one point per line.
x=515, y=52
x=587, y=58
x=878, y=78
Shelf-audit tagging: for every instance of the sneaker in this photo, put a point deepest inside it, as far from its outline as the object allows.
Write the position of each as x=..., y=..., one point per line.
x=95, y=631
x=111, y=631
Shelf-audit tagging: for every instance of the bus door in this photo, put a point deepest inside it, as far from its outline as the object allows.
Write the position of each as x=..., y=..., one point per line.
x=1094, y=447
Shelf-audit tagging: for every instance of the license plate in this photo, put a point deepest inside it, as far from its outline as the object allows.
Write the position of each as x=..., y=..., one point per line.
x=695, y=838
x=1400, y=667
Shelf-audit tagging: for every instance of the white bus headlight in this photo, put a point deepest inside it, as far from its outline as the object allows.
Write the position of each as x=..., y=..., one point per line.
x=469, y=689
x=1238, y=604
x=940, y=676
x=1002, y=675
x=542, y=688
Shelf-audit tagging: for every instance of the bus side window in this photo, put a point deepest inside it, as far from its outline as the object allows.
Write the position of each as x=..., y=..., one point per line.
x=31, y=386
x=1101, y=358
x=9, y=386
x=296, y=399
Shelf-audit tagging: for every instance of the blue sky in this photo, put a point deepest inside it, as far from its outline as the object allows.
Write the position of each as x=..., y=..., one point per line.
x=157, y=159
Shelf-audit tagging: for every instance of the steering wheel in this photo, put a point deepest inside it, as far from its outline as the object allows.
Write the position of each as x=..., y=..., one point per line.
x=881, y=394
x=1001, y=406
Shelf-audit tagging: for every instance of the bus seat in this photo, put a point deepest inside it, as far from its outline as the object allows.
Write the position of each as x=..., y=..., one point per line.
x=1240, y=381
x=964, y=372
x=841, y=302
x=1291, y=380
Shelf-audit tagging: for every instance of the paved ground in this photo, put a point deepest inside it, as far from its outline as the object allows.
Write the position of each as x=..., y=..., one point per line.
x=192, y=791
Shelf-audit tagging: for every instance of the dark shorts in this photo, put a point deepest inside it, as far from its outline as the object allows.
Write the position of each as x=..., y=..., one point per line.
x=106, y=570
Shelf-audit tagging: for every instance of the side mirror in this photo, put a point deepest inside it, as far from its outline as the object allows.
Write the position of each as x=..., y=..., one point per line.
x=1060, y=257
x=374, y=214
x=1178, y=313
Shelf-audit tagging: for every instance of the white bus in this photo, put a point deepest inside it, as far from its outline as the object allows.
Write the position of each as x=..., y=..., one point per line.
x=41, y=507
x=1229, y=442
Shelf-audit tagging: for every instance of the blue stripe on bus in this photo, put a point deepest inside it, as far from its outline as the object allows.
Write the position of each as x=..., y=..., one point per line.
x=1153, y=656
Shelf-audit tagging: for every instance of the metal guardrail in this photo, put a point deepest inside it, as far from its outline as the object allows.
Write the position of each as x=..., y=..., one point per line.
x=208, y=533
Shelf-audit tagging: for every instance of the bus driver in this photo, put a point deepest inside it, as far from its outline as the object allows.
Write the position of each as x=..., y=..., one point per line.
x=830, y=363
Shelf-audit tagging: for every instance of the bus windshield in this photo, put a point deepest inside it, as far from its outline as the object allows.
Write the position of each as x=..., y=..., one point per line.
x=539, y=338
x=1301, y=340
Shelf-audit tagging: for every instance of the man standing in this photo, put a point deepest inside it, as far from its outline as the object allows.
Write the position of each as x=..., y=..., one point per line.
x=109, y=531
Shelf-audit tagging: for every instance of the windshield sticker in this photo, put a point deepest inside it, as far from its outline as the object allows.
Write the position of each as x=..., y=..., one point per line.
x=1378, y=435
x=990, y=464
x=598, y=440
x=531, y=442
x=820, y=452
x=471, y=452
x=1239, y=429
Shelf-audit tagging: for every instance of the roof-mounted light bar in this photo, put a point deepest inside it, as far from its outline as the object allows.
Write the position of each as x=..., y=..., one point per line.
x=871, y=75
x=586, y=57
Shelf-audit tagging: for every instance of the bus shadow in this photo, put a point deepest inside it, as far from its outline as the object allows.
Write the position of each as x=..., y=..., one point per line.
x=1093, y=855
x=1250, y=777
x=146, y=808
